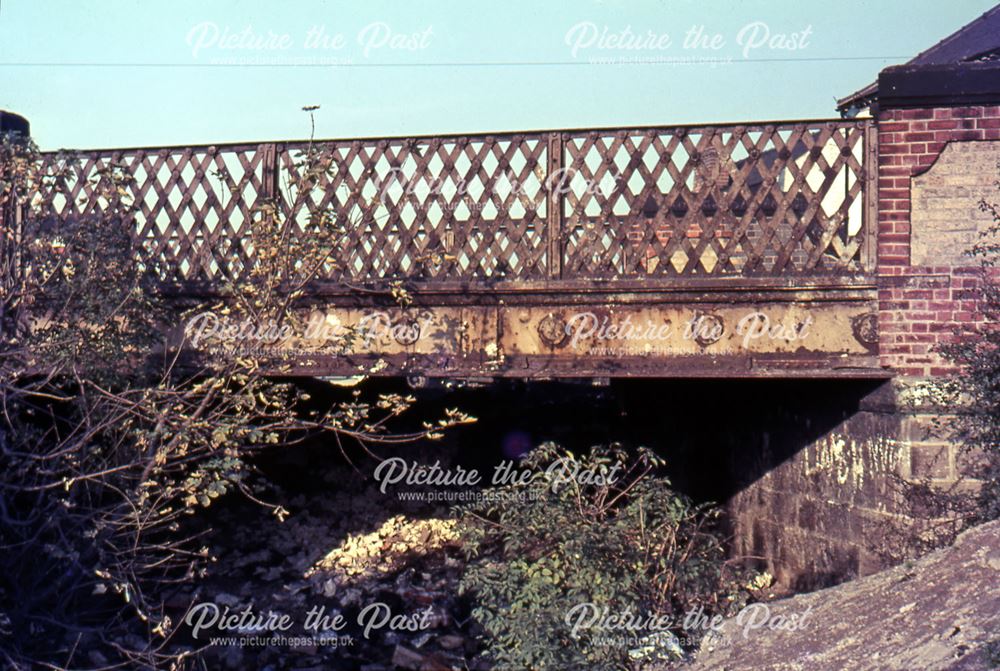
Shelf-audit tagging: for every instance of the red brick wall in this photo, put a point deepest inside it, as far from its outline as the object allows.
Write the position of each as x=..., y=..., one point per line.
x=920, y=306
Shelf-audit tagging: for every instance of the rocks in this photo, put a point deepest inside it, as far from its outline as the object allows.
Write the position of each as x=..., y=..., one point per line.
x=939, y=613
x=364, y=556
x=224, y=599
x=342, y=549
x=406, y=658
x=451, y=642
x=97, y=659
x=233, y=658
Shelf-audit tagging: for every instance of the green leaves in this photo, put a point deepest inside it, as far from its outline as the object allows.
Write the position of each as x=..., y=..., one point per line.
x=625, y=543
x=112, y=439
x=212, y=479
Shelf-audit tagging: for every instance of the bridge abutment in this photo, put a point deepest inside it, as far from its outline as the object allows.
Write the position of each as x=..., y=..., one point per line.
x=939, y=163
x=851, y=501
x=845, y=503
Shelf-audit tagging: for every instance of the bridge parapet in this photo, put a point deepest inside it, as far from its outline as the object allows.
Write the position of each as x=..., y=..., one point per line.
x=776, y=199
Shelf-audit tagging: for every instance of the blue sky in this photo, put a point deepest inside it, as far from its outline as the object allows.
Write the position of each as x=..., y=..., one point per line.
x=111, y=73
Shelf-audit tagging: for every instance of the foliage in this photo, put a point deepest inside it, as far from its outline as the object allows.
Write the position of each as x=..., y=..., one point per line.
x=615, y=535
x=113, y=437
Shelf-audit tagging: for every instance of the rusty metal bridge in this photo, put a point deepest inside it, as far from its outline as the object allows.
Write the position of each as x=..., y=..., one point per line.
x=724, y=250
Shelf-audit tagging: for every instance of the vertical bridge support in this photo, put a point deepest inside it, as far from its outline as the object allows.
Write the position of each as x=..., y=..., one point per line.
x=939, y=147
x=837, y=507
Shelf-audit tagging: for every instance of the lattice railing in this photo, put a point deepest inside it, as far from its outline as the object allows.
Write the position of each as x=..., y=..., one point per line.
x=746, y=200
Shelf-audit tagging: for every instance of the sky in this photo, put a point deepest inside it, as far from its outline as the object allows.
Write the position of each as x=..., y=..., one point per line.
x=122, y=73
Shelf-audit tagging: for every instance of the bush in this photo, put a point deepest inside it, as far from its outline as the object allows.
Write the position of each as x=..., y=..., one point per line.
x=111, y=443
x=616, y=536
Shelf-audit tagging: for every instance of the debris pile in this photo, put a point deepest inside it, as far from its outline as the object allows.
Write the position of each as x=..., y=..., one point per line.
x=341, y=550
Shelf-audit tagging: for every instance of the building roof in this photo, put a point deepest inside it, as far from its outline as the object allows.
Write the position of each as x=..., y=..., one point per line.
x=13, y=123
x=977, y=41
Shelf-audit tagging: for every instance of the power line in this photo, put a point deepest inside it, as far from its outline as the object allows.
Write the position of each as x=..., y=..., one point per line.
x=609, y=62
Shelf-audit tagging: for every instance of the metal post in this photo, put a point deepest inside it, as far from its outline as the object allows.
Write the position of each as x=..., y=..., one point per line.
x=269, y=171
x=869, y=194
x=554, y=207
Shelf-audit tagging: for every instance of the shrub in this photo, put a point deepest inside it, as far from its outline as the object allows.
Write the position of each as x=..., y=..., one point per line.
x=616, y=536
x=110, y=445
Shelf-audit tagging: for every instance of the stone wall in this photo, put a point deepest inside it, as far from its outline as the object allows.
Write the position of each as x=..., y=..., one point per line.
x=838, y=507
x=818, y=516
x=841, y=502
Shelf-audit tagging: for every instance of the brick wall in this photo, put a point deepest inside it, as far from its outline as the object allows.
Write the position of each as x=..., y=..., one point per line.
x=925, y=287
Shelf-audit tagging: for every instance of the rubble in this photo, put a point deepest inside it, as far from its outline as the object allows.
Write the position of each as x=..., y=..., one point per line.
x=341, y=549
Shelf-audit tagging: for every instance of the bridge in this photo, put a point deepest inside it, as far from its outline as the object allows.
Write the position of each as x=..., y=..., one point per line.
x=805, y=249
x=735, y=250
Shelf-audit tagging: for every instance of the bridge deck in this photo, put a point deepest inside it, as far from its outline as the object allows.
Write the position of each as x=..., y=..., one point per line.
x=741, y=249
